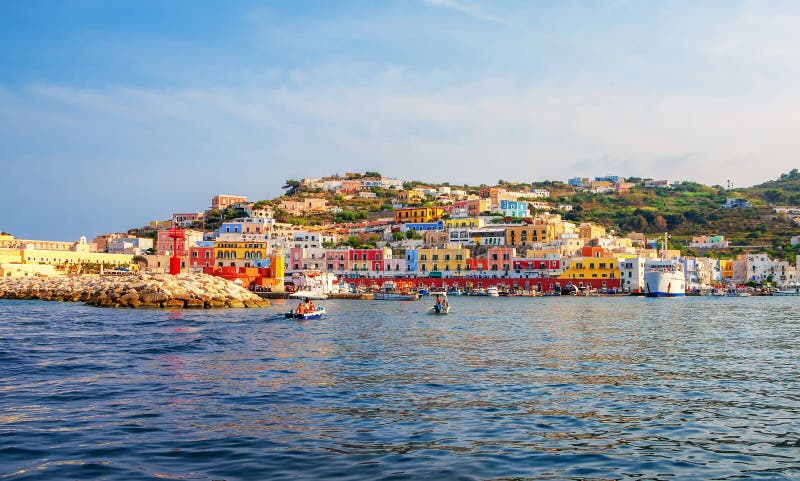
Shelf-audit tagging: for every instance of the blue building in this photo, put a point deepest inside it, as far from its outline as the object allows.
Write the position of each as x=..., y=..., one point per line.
x=575, y=182
x=412, y=260
x=425, y=226
x=514, y=208
x=611, y=178
x=231, y=228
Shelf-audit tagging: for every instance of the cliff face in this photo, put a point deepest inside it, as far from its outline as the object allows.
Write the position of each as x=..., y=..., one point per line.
x=142, y=290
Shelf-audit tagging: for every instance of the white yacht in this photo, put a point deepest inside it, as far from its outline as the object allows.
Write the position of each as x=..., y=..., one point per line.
x=493, y=291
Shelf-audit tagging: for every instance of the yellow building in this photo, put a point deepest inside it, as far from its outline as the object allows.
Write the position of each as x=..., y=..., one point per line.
x=726, y=268
x=61, y=258
x=417, y=214
x=438, y=260
x=412, y=196
x=464, y=222
x=27, y=270
x=10, y=256
x=592, y=268
x=589, y=231
x=232, y=251
x=527, y=234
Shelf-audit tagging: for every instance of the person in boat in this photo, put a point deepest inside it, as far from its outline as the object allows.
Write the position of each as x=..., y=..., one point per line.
x=438, y=307
x=302, y=308
x=310, y=306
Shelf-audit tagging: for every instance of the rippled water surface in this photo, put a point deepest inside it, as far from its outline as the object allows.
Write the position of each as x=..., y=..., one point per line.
x=539, y=388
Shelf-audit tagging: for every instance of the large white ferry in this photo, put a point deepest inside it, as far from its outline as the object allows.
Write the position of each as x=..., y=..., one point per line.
x=664, y=277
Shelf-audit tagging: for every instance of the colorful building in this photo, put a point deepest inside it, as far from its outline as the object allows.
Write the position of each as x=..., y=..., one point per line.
x=308, y=205
x=202, y=254
x=527, y=234
x=541, y=267
x=513, y=208
x=471, y=222
x=417, y=215
x=366, y=260
x=580, y=268
x=239, y=253
x=186, y=219
x=165, y=244
x=501, y=258
x=433, y=260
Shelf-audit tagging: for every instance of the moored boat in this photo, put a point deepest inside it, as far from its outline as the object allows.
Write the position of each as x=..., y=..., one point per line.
x=390, y=292
x=790, y=289
x=735, y=291
x=493, y=291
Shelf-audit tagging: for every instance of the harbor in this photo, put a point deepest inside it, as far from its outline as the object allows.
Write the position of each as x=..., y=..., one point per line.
x=498, y=388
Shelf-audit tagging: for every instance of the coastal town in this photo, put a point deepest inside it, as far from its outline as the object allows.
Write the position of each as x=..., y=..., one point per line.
x=358, y=231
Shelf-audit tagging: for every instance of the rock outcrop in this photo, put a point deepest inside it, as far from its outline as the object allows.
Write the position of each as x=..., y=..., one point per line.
x=140, y=290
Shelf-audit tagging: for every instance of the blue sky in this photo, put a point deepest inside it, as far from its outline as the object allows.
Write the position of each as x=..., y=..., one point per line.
x=115, y=113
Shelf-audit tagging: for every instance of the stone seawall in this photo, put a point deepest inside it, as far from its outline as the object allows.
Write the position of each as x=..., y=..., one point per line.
x=140, y=290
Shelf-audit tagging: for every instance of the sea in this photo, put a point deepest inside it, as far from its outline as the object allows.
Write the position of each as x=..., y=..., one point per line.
x=575, y=388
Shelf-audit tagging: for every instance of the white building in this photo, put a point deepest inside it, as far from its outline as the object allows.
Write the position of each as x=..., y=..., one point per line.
x=631, y=273
x=539, y=193
x=307, y=240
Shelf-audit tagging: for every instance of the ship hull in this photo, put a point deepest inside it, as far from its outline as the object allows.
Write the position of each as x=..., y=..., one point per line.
x=665, y=284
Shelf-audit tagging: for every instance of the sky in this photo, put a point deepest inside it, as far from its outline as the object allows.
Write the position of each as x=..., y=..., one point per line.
x=116, y=113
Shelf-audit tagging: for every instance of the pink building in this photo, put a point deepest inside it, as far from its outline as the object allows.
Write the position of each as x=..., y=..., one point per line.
x=301, y=206
x=186, y=219
x=501, y=258
x=337, y=260
x=223, y=201
x=164, y=243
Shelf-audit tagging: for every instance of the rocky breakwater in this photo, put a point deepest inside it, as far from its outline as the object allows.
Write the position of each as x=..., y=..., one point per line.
x=141, y=290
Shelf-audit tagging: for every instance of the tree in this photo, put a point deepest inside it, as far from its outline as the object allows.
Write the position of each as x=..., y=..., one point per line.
x=397, y=236
x=774, y=196
x=292, y=187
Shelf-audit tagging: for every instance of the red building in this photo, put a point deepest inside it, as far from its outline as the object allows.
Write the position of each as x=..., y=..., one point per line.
x=201, y=255
x=366, y=260
x=477, y=264
x=537, y=267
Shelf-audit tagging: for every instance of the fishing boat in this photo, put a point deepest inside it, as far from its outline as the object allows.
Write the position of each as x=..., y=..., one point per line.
x=315, y=314
x=735, y=291
x=790, y=289
x=390, y=292
x=664, y=277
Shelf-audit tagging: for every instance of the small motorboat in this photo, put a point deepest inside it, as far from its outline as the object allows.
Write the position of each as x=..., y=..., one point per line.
x=440, y=311
x=315, y=314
